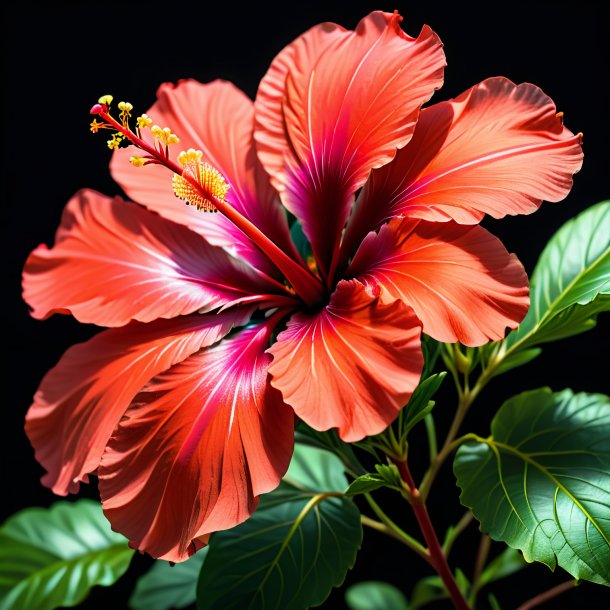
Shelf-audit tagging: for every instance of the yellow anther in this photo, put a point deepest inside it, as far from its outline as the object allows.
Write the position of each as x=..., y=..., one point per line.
x=144, y=121
x=105, y=99
x=116, y=140
x=212, y=183
x=189, y=156
x=165, y=135
x=137, y=161
x=125, y=108
x=95, y=126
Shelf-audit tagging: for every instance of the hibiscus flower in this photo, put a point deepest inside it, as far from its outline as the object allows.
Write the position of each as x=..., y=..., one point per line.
x=219, y=331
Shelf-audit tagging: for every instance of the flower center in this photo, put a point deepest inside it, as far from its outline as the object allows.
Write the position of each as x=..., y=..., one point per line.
x=207, y=177
x=199, y=184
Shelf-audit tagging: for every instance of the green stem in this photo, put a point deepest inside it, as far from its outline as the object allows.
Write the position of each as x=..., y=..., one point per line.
x=395, y=447
x=444, y=453
x=466, y=398
x=397, y=532
x=451, y=368
x=378, y=526
x=479, y=564
x=458, y=528
x=431, y=433
x=439, y=561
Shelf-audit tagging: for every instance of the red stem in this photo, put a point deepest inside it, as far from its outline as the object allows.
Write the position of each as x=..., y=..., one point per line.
x=547, y=595
x=439, y=561
x=306, y=285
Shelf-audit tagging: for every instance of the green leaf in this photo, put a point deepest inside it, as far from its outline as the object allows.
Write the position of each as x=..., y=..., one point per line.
x=493, y=602
x=328, y=441
x=167, y=586
x=296, y=547
x=387, y=475
x=375, y=595
x=462, y=582
x=541, y=482
x=420, y=403
x=316, y=470
x=365, y=483
x=506, y=563
x=300, y=241
x=431, y=589
x=51, y=557
x=426, y=591
x=516, y=359
x=571, y=282
x=431, y=350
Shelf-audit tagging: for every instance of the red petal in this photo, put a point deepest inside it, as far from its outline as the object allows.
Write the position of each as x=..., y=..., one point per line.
x=197, y=447
x=216, y=118
x=348, y=99
x=114, y=262
x=298, y=58
x=82, y=399
x=460, y=280
x=352, y=366
x=497, y=149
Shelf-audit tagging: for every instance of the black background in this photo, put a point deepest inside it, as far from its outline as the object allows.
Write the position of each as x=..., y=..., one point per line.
x=59, y=57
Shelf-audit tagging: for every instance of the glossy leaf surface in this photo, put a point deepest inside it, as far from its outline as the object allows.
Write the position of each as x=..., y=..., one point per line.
x=296, y=547
x=50, y=558
x=167, y=586
x=541, y=482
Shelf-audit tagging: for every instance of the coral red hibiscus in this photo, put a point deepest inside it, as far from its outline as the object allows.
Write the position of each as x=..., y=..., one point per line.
x=185, y=407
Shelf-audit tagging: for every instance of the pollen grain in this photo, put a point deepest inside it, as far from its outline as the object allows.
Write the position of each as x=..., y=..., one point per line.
x=211, y=181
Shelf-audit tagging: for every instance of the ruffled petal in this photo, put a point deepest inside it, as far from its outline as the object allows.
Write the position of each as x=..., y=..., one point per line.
x=351, y=366
x=348, y=100
x=460, y=280
x=197, y=447
x=497, y=149
x=113, y=262
x=298, y=58
x=82, y=399
x=218, y=119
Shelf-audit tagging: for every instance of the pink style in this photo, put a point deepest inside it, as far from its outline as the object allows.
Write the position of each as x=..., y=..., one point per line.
x=220, y=333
